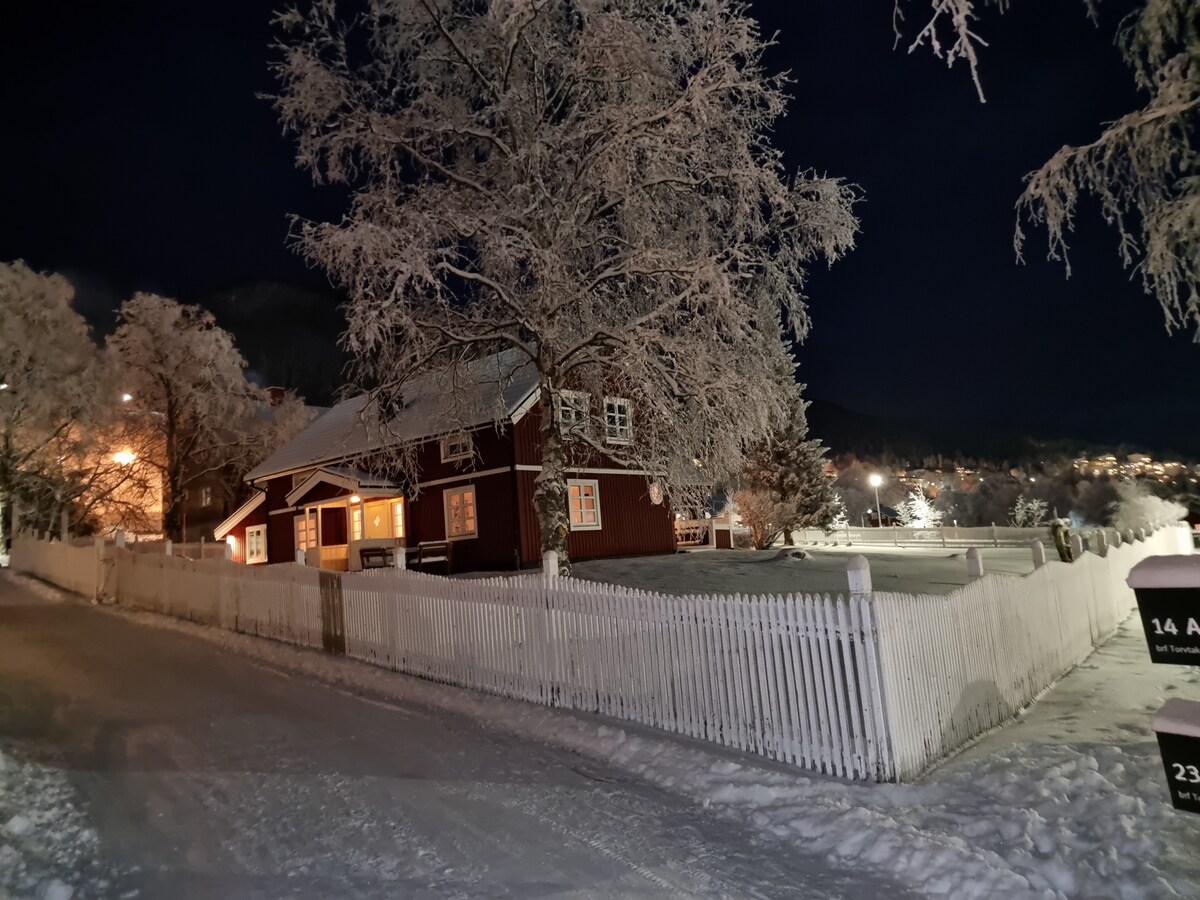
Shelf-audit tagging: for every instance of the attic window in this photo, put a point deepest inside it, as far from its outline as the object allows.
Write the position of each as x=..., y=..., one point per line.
x=572, y=409
x=456, y=447
x=618, y=421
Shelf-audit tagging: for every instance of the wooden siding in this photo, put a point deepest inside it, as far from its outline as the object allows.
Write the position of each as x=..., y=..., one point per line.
x=496, y=542
x=630, y=523
x=493, y=450
x=256, y=516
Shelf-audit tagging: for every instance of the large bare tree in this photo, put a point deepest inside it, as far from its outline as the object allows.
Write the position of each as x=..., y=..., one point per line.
x=590, y=184
x=1143, y=168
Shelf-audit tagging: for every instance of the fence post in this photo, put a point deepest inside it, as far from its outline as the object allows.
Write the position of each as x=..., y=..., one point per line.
x=1116, y=541
x=168, y=548
x=1039, y=554
x=550, y=563
x=228, y=551
x=943, y=527
x=97, y=594
x=858, y=574
x=974, y=563
x=1128, y=535
x=712, y=532
x=300, y=557
x=995, y=539
x=121, y=538
x=64, y=522
x=1142, y=534
x=1076, y=546
x=848, y=544
x=399, y=558
x=1102, y=543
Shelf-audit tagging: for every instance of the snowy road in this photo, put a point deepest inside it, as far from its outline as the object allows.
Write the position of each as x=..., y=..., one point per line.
x=207, y=774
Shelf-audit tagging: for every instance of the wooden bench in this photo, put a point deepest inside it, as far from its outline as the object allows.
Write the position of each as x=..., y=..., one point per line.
x=431, y=552
x=375, y=557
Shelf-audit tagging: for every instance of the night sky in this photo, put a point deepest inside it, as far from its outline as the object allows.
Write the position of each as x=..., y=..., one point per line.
x=136, y=156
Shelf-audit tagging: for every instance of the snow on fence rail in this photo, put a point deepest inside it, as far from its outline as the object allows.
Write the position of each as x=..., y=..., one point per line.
x=940, y=536
x=870, y=686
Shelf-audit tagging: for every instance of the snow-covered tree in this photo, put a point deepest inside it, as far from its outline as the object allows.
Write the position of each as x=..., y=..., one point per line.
x=1137, y=508
x=188, y=387
x=784, y=486
x=916, y=511
x=1028, y=512
x=590, y=184
x=58, y=403
x=1143, y=168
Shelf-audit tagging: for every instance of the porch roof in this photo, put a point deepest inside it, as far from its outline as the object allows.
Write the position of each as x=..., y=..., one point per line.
x=355, y=480
x=494, y=388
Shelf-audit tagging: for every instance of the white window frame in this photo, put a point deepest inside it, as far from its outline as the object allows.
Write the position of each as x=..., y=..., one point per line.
x=457, y=446
x=396, y=512
x=261, y=532
x=356, y=522
x=583, y=484
x=206, y=496
x=572, y=409
x=310, y=529
x=618, y=433
x=446, y=495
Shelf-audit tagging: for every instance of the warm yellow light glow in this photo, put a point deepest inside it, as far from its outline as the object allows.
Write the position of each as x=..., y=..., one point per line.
x=124, y=457
x=125, y=398
x=231, y=540
x=876, y=480
x=356, y=499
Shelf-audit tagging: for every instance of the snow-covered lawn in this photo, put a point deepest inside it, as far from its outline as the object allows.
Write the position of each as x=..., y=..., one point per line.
x=908, y=569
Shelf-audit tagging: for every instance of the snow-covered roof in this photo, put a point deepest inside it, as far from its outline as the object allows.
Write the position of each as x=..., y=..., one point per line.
x=442, y=402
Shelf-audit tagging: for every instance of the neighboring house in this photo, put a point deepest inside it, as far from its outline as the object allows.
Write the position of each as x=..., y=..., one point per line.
x=478, y=453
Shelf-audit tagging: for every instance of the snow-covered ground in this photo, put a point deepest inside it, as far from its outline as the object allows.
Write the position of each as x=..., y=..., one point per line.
x=1069, y=801
x=48, y=849
x=927, y=570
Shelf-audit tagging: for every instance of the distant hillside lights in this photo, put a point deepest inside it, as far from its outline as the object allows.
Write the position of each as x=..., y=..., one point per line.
x=1137, y=465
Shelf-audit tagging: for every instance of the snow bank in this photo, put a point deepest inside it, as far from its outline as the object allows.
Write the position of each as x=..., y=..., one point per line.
x=1045, y=809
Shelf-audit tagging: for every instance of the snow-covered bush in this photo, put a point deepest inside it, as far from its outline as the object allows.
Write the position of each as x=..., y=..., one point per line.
x=1136, y=508
x=915, y=511
x=1028, y=512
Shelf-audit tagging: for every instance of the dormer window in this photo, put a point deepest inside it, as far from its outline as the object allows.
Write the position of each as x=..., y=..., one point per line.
x=456, y=447
x=572, y=409
x=618, y=420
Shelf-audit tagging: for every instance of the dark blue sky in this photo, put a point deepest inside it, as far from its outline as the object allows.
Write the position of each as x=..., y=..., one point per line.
x=136, y=156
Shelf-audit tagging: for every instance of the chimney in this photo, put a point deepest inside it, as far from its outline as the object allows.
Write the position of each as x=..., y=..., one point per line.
x=276, y=394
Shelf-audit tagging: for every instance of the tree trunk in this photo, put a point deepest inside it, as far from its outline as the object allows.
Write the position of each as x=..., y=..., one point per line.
x=550, y=496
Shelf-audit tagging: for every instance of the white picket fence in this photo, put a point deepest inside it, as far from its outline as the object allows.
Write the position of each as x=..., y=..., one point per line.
x=870, y=687
x=941, y=536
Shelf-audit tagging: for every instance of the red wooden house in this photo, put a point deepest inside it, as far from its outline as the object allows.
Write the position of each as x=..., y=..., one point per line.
x=477, y=441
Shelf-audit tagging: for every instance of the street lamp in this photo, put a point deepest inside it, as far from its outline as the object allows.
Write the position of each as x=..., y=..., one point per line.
x=876, y=480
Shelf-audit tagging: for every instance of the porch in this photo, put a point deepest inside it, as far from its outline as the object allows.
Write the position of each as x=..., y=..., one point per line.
x=331, y=533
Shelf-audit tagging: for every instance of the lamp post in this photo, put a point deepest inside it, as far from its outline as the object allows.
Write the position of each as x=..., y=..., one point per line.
x=876, y=480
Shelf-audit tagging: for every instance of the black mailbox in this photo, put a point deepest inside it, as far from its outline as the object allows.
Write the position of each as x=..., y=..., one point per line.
x=1168, y=598
x=1177, y=725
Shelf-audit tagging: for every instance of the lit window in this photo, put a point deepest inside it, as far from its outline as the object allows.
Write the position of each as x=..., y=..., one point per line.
x=206, y=496
x=398, y=518
x=455, y=447
x=572, y=409
x=306, y=531
x=583, y=503
x=356, y=523
x=618, y=424
x=256, y=544
x=460, y=512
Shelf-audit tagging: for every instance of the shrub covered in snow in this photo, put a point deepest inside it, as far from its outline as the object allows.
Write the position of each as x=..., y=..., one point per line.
x=1136, y=507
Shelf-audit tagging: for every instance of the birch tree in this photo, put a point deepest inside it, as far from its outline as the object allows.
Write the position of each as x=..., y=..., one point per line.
x=590, y=184
x=1143, y=168
x=188, y=384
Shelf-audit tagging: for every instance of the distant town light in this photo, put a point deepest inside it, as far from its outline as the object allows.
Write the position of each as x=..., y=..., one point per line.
x=3, y=385
x=125, y=398
x=124, y=457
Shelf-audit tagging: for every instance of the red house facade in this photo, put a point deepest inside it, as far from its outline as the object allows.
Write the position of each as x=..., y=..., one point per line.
x=478, y=453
